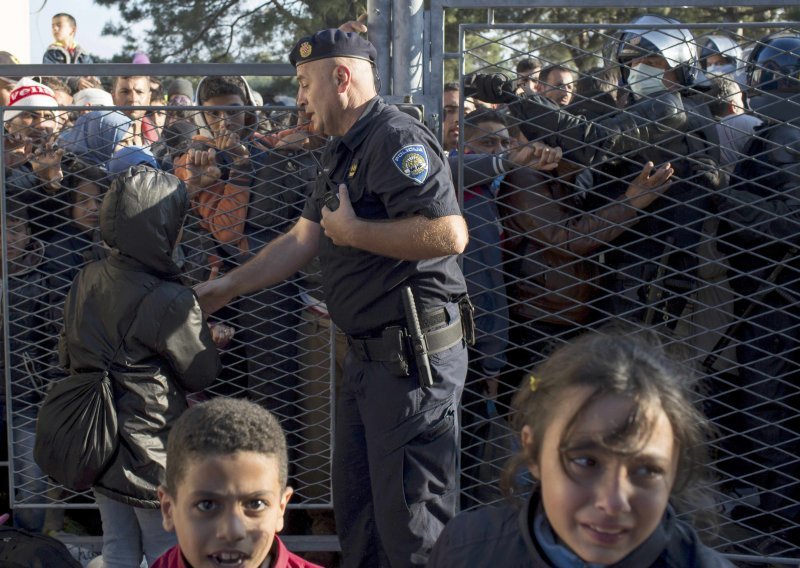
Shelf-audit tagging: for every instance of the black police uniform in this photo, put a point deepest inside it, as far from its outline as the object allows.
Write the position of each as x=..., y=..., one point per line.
x=396, y=443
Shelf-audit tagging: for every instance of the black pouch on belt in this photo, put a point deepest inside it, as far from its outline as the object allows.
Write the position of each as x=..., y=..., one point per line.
x=467, y=311
x=396, y=342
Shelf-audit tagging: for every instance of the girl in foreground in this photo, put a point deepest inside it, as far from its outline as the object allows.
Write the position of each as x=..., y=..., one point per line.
x=610, y=436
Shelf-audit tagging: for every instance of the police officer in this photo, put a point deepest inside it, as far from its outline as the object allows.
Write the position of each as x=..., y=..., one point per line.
x=397, y=223
x=654, y=266
x=720, y=55
x=761, y=210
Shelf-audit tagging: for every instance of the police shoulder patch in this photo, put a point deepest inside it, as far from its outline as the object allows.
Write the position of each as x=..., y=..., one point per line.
x=412, y=161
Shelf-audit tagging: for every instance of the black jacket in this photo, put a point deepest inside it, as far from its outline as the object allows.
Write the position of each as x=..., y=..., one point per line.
x=501, y=536
x=168, y=349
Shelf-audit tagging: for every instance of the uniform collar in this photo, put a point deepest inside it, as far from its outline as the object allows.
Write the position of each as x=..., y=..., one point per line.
x=353, y=137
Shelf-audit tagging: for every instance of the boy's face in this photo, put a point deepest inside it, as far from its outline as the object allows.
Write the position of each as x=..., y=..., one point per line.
x=230, y=120
x=227, y=509
x=63, y=30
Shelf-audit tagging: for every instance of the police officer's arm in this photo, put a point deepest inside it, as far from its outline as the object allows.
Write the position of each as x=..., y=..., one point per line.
x=411, y=238
x=274, y=263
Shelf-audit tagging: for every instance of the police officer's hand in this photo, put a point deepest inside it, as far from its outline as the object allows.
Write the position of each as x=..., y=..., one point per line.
x=356, y=26
x=214, y=294
x=338, y=225
x=649, y=184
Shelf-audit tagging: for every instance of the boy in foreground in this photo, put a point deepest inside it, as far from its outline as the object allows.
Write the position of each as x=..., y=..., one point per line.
x=225, y=492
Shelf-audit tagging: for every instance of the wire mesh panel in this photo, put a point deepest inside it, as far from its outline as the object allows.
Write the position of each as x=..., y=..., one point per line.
x=672, y=213
x=247, y=170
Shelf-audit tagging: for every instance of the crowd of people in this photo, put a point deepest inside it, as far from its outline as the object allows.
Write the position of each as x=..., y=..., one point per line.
x=671, y=210
x=650, y=192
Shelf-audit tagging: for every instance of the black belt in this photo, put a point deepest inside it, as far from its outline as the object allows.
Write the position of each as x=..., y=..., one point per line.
x=393, y=342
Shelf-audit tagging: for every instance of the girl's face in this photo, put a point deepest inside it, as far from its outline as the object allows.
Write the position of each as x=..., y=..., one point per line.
x=86, y=208
x=603, y=504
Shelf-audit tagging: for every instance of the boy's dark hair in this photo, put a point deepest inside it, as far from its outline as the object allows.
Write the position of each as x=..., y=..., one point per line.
x=223, y=426
x=451, y=86
x=527, y=64
x=69, y=17
x=222, y=86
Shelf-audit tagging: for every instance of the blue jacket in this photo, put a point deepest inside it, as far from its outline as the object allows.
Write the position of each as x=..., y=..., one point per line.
x=60, y=55
x=483, y=258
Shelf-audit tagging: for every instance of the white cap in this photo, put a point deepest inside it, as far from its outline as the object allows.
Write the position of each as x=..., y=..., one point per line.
x=92, y=97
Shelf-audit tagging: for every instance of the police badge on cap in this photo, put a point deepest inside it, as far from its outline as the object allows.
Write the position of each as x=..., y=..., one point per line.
x=332, y=43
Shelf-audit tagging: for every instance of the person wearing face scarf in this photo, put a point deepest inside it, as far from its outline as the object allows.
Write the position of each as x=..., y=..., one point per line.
x=653, y=267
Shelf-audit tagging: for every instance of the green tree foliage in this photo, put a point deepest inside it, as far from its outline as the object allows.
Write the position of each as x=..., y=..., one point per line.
x=220, y=31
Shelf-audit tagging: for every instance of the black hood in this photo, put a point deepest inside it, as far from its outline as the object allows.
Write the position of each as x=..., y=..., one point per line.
x=142, y=215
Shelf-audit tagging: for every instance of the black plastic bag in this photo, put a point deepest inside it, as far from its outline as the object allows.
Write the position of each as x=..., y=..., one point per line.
x=24, y=549
x=77, y=430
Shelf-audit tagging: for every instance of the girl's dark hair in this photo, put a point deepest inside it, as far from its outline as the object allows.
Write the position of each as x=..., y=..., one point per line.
x=77, y=172
x=616, y=363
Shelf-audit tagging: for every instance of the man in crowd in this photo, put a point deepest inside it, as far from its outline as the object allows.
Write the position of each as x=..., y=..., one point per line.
x=135, y=91
x=451, y=99
x=557, y=83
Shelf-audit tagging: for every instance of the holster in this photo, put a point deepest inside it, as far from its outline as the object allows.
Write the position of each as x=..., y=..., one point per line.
x=393, y=346
x=467, y=312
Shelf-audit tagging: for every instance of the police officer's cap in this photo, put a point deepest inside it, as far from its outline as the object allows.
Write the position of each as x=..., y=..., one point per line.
x=332, y=43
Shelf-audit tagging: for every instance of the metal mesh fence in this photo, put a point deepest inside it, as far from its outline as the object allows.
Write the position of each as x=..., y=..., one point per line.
x=707, y=262
x=56, y=173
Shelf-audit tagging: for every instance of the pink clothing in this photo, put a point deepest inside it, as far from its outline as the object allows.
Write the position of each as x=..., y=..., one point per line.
x=282, y=558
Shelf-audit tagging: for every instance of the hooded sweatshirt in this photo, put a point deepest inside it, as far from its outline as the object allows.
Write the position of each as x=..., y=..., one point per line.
x=95, y=136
